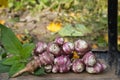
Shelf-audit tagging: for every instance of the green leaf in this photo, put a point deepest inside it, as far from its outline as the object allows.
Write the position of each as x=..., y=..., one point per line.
x=68, y=30
x=27, y=50
x=44, y=1
x=81, y=28
x=3, y=68
x=9, y=40
x=3, y=53
x=40, y=71
x=15, y=68
x=11, y=60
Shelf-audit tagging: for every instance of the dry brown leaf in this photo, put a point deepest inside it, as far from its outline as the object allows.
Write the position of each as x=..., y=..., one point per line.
x=94, y=46
x=22, y=38
x=75, y=55
x=2, y=22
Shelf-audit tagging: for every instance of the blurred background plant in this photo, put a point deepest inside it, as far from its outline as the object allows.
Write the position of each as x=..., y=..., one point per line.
x=92, y=14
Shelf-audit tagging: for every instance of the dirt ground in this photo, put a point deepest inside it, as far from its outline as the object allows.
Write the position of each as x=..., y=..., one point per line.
x=35, y=23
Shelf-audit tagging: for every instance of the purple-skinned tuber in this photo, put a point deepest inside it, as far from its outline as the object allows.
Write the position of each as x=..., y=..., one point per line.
x=54, y=49
x=55, y=69
x=89, y=59
x=81, y=46
x=40, y=47
x=97, y=68
x=61, y=64
x=68, y=47
x=78, y=65
x=46, y=58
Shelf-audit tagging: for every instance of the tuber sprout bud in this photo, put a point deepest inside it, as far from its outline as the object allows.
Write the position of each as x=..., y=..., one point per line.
x=48, y=68
x=78, y=65
x=55, y=69
x=68, y=47
x=59, y=41
x=89, y=59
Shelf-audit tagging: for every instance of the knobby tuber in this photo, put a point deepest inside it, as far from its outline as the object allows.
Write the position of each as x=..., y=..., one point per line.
x=68, y=47
x=97, y=68
x=78, y=65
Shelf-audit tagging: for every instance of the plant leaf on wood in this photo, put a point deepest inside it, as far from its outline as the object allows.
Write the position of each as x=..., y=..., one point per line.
x=9, y=40
x=27, y=49
x=20, y=53
x=3, y=68
x=15, y=68
x=11, y=60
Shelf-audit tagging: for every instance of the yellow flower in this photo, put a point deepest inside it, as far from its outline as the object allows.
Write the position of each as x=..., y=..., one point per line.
x=54, y=27
x=75, y=55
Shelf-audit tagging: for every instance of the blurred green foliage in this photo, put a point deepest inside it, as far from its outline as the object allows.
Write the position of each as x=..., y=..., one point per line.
x=91, y=13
